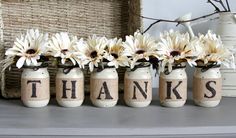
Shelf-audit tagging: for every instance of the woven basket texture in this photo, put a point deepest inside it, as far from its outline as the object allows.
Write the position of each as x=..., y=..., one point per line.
x=110, y=18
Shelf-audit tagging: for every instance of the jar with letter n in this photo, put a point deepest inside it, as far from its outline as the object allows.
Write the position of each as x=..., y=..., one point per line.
x=138, y=86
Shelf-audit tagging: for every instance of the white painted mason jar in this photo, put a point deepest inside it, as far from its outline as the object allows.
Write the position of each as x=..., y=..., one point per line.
x=138, y=87
x=69, y=86
x=207, y=86
x=173, y=87
x=35, y=86
x=104, y=87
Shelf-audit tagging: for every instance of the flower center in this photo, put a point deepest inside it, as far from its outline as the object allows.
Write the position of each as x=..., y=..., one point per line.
x=174, y=53
x=64, y=51
x=140, y=52
x=93, y=54
x=114, y=55
x=30, y=51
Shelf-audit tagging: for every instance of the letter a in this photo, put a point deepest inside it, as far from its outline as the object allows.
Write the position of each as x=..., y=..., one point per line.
x=174, y=90
x=144, y=93
x=106, y=91
x=34, y=95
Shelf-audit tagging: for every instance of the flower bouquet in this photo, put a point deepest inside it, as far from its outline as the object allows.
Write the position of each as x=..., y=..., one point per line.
x=207, y=81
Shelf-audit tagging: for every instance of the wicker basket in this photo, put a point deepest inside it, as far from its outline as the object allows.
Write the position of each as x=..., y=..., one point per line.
x=112, y=18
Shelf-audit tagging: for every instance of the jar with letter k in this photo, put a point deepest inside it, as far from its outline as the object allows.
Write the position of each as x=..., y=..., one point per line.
x=207, y=85
x=138, y=86
x=104, y=87
x=69, y=86
x=173, y=86
x=35, y=86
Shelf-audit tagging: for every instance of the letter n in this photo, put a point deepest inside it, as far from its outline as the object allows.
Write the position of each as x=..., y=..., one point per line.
x=143, y=92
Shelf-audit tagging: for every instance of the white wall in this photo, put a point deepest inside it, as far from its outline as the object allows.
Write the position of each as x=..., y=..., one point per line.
x=172, y=9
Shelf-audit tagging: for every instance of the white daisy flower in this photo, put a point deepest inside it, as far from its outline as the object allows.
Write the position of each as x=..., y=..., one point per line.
x=62, y=45
x=139, y=47
x=93, y=51
x=177, y=48
x=28, y=48
x=115, y=55
x=214, y=51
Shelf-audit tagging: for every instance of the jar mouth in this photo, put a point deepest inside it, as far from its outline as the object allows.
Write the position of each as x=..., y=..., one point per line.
x=35, y=68
x=206, y=67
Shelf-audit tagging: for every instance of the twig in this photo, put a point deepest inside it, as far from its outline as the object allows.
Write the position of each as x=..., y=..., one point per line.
x=174, y=21
x=227, y=2
x=222, y=4
x=216, y=8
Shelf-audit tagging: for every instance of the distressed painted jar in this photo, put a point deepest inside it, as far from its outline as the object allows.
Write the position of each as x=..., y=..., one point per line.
x=69, y=86
x=173, y=87
x=35, y=86
x=207, y=86
x=138, y=87
x=226, y=28
x=104, y=87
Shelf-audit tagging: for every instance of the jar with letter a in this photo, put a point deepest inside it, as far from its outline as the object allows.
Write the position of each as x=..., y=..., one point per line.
x=69, y=86
x=104, y=87
x=207, y=86
x=138, y=86
x=35, y=86
x=173, y=86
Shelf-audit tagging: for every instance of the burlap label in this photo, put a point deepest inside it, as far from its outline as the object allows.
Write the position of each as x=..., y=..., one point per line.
x=138, y=90
x=69, y=89
x=207, y=89
x=35, y=89
x=104, y=89
x=172, y=89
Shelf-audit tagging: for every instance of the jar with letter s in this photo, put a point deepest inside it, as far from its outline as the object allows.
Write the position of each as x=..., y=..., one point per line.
x=207, y=86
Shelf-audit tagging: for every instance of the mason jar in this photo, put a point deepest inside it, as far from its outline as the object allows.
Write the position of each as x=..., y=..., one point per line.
x=69, y=86
x=173, y=87
x=207, y=86
x=35, y=86
x=104, y=87
x=138, y=87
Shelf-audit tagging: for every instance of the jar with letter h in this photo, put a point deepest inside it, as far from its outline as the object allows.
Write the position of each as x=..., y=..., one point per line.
x=69, y=86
